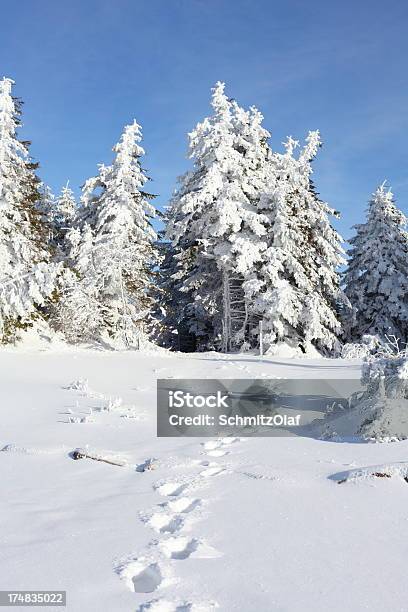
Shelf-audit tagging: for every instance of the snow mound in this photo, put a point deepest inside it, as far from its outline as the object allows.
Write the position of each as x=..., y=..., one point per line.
x=289, y=351
x=386, y=470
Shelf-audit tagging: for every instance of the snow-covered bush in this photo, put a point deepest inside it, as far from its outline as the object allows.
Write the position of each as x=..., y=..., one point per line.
x=386, y=376
x=378, y=411
x=369, y=345
x=383, y=405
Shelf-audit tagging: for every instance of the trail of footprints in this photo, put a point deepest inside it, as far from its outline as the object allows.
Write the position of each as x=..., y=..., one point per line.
x=154, y=569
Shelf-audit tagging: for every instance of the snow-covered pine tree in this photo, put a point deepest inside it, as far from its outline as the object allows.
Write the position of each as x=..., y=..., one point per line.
x=63, y=218
x=66, y=208
x=78, y=314
x=170, y=303
x=376, y=280
x=116, y=254
x=298, y=286
x=195, y=275
x=58, y=215
x=214, y=225
x=46, y=207
x=240, y=247
x=66, y=205
x=27, y=279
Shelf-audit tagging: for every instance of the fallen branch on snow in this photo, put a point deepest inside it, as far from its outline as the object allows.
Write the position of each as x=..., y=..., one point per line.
x=82, y=454
x=79, y=453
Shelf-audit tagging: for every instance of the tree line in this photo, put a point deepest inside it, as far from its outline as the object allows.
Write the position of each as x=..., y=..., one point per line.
x=247, y=241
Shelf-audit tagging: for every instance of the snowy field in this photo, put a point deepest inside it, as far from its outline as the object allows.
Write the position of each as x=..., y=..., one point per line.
x=260, y=524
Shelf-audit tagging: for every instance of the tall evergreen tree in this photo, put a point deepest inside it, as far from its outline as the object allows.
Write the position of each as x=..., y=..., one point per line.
x=46, y=207
x=66, y=206
x=65, y=210
x=376, y=280
x=63, y=219
x=214, y=225
x=78, y=314
x=170, y=303
x=27, y=279
x=297, y=289
x=116, y=254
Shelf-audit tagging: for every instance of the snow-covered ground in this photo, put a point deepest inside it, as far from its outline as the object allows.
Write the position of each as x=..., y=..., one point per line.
x=243, y=525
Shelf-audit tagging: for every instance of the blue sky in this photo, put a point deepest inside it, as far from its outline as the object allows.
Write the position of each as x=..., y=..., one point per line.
x=85, y=68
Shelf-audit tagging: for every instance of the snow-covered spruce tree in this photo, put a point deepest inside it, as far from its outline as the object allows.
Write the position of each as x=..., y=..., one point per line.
x=78, y=314
x=297, y=290
x=65, y=211
x=115, y=254
x=170, y=303
x=55, y=218
x=63, y=218
x=214, y=225
x=66, y=207
x=46, y=208
x=376, y=280
x=27, y=279
x=241, y=245
x=58, y=216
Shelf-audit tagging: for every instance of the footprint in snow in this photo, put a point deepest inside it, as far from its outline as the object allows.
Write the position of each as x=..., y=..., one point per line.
x=148, y=579
x=217, y=453
x=141, y=575
x=229, y=440
x=220, y=442
x=212, y=471
x=163, y=605
x=211, y=444
x=165, y=523
x=183, y=504
x=181, y=548
x=171, y=489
